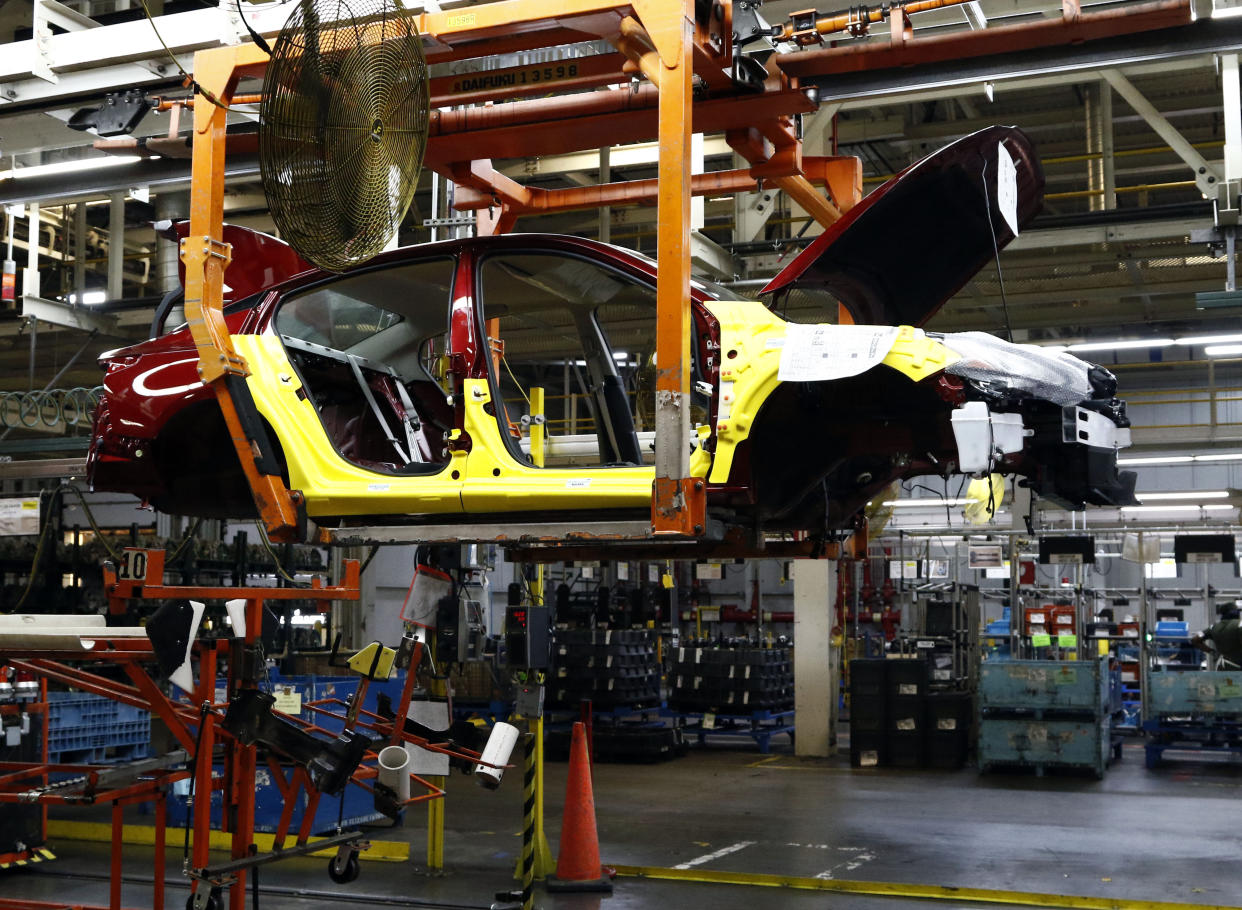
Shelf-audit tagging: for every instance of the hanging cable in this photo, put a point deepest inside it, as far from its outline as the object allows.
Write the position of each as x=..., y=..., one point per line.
x=1000, y=276
x=185, y=541
x=38, y=555
x=90, y=517
x=280, y=569
x=189, y=79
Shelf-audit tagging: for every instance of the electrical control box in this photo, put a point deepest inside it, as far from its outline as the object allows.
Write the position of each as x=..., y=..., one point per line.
x=527, y=637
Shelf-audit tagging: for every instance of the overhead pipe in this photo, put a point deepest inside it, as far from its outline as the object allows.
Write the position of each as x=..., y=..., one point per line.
x=1001, y=39
x=839, y=22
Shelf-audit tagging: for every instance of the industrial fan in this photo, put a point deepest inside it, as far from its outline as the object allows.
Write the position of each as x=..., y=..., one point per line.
x=343, y=127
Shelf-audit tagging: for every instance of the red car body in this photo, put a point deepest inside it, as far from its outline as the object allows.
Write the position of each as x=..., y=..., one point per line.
x=816, y=452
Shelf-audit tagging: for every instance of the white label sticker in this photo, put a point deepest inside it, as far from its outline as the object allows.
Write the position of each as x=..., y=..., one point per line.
x=907, y=689
x=1007, y=187
x=378, y=487
x=578, y=483
x=906, y=723
x=946, y=723
x=288, y=700
x=819, y=352
x=19, y=516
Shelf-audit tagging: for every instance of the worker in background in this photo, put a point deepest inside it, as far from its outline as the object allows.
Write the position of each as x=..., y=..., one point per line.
x=1225, y=638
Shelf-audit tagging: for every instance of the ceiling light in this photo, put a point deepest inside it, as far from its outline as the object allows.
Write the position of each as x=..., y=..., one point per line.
x=89, y=298
x=69, y=167
x=1122, y=345
x=1178, y=459
x=1175, y=508
x=1220, y=456
x=1210, y=339
x=1223, y=350
x=1193, y=494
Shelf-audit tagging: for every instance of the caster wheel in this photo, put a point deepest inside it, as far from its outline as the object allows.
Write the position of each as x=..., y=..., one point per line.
x=344, y=873
x=211, y=902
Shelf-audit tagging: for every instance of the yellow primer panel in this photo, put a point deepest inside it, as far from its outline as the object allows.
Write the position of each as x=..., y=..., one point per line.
x=750, y=356
x=495, y=481
x=331, y=484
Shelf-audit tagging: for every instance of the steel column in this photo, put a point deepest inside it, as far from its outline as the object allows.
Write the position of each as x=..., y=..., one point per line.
x=670, y=27
x=116, y=245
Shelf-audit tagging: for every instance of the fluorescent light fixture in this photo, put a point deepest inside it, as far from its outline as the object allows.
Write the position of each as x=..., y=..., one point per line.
x=1122, y=345
x=1192, y=494
x=928, y=501
x=1223, y=350
x=1195, y=507
x=1211, y=339
x=69, y=167
x=620, y=355
x=1179, y=459
x=89, y=298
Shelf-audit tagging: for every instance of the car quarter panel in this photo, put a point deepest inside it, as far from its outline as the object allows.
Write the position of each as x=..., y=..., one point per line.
x=751, y=339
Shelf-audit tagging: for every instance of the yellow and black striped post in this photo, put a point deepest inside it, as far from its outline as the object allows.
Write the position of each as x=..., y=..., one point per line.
x=528, y=823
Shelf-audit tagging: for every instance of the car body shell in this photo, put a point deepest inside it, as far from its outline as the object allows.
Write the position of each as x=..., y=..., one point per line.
x=772, y=453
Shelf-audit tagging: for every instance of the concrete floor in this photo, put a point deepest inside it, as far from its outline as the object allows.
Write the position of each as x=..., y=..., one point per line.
x=1137, y=835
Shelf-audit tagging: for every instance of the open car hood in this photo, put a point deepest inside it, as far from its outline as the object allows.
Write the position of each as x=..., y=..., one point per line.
x=912, y=243
x=259, y=260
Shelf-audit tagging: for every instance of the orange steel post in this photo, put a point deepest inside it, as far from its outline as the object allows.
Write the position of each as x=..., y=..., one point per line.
x=678, y=501
x=243, y=760
x=206, y=257
x=202, y=764
x=161, y=832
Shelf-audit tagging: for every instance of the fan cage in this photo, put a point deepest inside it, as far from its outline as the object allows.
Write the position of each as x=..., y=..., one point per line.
x=343, y=128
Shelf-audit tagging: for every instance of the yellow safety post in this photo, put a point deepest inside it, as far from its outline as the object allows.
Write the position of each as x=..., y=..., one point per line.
x=435, y=807
x=544, y=864
x=435, y=827
x=527, y=859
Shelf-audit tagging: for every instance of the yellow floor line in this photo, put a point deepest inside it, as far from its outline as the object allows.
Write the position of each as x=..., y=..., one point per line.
x=379, y=851
x=765, y=764
x=894, y=889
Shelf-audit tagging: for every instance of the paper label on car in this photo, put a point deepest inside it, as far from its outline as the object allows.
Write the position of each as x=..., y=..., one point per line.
x=578, y=483
x=814, y=353
x=1007, y=187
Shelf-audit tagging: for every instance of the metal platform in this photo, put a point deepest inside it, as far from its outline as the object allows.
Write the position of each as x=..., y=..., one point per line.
x=507, y=533
x=578, y=539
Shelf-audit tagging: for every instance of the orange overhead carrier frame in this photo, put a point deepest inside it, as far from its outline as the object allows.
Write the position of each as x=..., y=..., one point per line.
x=661, y=40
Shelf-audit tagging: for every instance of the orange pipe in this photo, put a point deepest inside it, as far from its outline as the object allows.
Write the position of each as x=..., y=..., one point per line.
x=829, y=24
x=1003, y=39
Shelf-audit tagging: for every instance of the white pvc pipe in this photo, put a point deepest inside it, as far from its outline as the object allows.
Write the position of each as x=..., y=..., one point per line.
x=497, y=751
x=394, y=762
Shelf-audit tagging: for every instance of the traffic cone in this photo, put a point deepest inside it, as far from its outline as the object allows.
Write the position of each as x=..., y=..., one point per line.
x=577, y=865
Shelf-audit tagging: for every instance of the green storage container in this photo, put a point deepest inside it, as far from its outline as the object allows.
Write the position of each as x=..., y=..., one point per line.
x=1204, y=692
